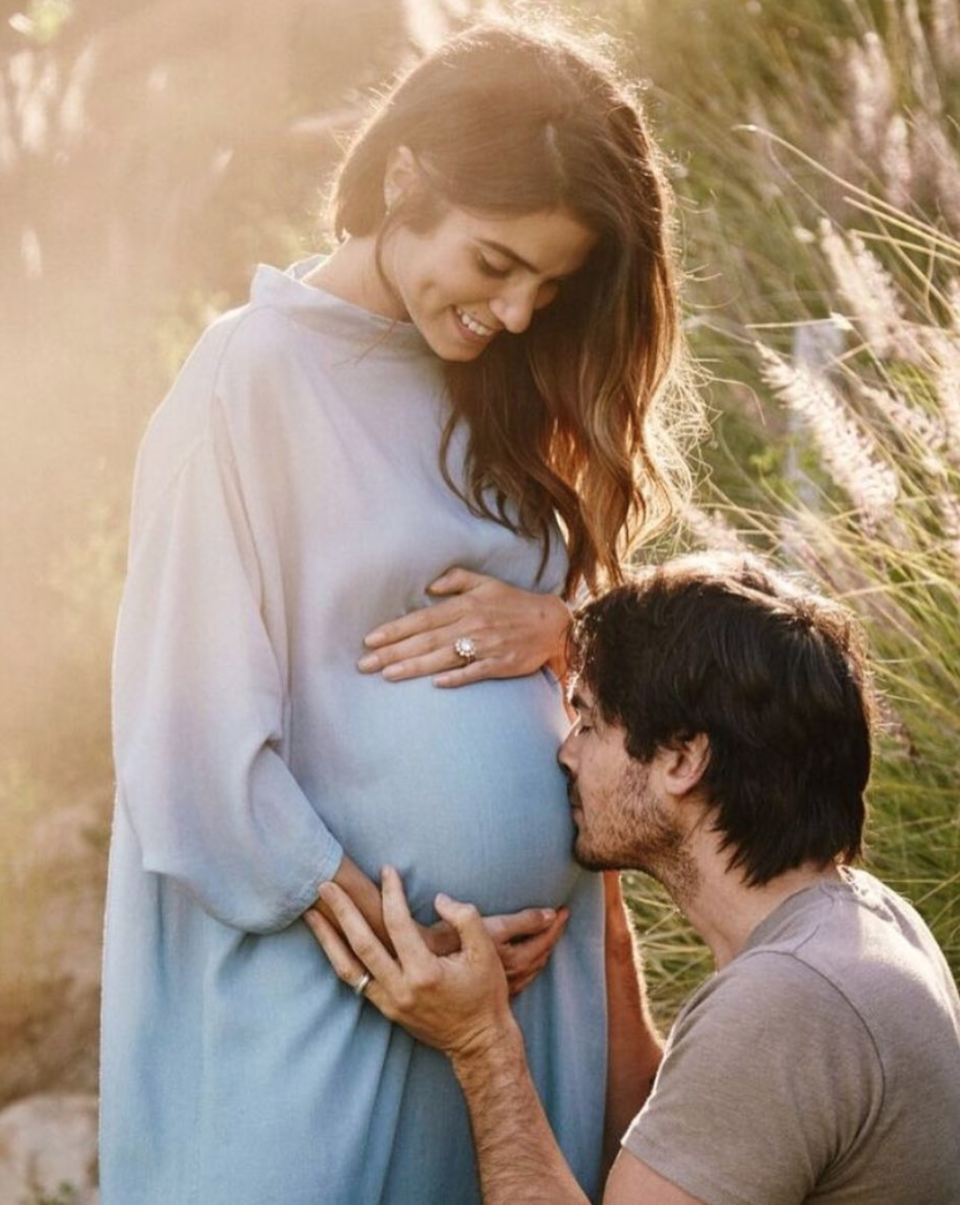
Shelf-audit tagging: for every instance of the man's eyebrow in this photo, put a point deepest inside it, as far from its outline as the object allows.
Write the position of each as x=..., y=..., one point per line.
x=579, y=703
x=492, y=245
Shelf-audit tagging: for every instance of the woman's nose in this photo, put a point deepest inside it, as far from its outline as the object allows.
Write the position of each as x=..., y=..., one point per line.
x=514, y=307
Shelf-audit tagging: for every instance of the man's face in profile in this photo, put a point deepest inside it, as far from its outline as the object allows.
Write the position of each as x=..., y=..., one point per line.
x=620, y=819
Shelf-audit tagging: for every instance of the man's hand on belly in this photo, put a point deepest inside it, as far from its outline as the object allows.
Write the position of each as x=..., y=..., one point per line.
x=450, y=1002
x=524, y=941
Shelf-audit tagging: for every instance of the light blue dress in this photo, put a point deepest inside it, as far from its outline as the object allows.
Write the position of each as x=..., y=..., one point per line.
x=288, y=499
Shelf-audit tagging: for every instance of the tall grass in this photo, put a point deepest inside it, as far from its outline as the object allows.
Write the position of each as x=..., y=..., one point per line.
x=872, y=513
x=815, y=152
x=857, y=319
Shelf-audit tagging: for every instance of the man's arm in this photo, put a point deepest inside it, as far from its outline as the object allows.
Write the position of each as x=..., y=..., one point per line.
x=634, y=1047
x=517, y=1153
x=459, y=1004
x=519, y=1160
x=633, y=1182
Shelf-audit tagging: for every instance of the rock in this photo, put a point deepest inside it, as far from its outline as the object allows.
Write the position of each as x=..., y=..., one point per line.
x=48, y=1150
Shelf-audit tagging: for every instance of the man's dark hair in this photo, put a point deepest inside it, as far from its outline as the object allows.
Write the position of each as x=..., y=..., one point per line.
x=773, y=674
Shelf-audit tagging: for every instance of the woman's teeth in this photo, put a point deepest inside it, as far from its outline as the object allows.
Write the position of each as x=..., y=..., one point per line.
x=477, y=328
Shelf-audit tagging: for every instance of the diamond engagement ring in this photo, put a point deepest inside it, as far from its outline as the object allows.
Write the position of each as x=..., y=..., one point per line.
x=360, y=987
x=465, y=649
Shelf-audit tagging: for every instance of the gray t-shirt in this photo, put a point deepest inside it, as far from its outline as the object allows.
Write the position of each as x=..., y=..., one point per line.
x=822, y=1064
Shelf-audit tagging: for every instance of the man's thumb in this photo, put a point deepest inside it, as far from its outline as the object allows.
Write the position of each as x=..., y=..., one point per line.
x=465, y=918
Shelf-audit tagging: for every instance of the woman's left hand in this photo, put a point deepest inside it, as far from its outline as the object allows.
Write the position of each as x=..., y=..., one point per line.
x=513, y=632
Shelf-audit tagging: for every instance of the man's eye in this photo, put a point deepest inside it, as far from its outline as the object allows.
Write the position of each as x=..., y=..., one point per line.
x=489, y=269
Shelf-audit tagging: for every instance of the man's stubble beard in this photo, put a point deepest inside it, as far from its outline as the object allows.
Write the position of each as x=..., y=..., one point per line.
x=636, y=833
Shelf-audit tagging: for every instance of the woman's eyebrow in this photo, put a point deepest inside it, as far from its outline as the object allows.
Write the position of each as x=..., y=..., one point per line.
x=491, y=245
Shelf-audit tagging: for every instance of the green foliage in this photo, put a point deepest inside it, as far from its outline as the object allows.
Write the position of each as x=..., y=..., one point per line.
x=168, y=179
x=814, y=153
x=674, y=957
x=879, y=524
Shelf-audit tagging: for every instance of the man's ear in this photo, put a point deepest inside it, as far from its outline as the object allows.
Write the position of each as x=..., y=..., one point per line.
x=685, y=763
x=401, y=174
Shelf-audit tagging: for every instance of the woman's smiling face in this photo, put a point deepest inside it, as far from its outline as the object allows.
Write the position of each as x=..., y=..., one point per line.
x=473, y=276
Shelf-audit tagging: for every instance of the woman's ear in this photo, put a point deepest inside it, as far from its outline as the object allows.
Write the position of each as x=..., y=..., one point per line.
x=685, y=763
x=402, y=173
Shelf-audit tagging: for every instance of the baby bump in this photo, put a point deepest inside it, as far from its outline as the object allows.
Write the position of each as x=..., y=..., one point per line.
x=460, y=790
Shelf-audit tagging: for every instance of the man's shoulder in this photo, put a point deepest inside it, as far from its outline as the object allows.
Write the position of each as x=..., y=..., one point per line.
x=850, y=969
x=834, y=1039
x=768, y=1065
x=857, y=936
x=768, y=988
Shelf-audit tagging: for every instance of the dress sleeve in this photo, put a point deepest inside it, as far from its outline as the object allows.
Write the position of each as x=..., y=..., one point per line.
x=199, y=698
x=769, y=1080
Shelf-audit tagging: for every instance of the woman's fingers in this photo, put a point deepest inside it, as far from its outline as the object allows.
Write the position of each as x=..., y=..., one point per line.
x=457, y=581
x=419, y=632
x=480, y=670
x=414, y=623
x=510, y=925
x=518, y=985
x=433, y=653
x=441, y=659
x=525, y=941
x=489, y=663
x=347, y=966
x=515, y=632
x=525, y=959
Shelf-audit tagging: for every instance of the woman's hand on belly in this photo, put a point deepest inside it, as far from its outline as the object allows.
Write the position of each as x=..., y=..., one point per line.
x=524, y=941
x=514, y=632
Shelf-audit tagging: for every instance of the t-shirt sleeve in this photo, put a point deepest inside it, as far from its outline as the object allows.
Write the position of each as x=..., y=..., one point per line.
x=768, y=1078
x=198, y=690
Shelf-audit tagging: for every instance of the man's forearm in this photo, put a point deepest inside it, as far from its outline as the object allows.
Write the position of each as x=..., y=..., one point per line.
x=518, y=1156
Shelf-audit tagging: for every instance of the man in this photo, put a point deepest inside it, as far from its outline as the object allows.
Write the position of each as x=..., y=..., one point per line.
x=722, y=745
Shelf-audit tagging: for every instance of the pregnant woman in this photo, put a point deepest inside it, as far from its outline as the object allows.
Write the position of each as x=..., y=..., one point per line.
x=466, y=395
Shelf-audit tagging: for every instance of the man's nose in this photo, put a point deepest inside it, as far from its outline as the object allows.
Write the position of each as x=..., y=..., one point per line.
x=564, y=756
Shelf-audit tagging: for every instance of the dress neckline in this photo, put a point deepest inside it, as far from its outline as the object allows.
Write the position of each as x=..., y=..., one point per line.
x=288, y=292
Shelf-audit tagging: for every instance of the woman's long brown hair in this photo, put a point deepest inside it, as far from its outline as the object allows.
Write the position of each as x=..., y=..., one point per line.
x=585, y=415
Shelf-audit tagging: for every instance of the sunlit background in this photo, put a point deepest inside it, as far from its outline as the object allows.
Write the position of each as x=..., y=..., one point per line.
x=151, y=151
